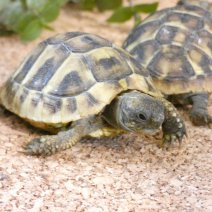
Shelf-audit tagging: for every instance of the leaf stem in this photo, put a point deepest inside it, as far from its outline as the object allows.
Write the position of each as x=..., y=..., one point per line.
x=137, y=17
x=24, y=4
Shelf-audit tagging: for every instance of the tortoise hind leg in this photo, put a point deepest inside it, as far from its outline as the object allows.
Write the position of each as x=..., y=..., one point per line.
x=199, y=113
x=50, y=144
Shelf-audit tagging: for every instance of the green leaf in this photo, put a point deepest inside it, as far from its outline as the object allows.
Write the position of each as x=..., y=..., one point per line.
x=138, y=19
x=24, y=4
x=24, y=21
x=108, y=4
x=88, y=4
x=121, y=14
x=28, y=17
x=31, y=31
x=50, y=12
x=62, y=2
x=145, y=8
x=46, y=26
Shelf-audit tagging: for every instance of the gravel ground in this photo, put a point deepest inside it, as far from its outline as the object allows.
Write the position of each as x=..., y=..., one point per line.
x=128, y=173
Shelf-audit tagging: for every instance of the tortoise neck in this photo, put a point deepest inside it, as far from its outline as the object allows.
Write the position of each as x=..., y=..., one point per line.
x=110, y=114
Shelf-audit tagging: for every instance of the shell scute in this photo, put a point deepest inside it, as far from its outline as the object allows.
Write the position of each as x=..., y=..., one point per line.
x=73, y=83
x=24, y=95
x=52, y=104
x=203, y=40
x=187, y=20
x=85, y=43
x=106, y=65
x=138, y=69
x=28, y=63
x=143, y=51
x=141, y=33
x=61, y=38
x=42, y=76
x=44, y=67
x=201, y=61
x=171, y=58
x=71, y=104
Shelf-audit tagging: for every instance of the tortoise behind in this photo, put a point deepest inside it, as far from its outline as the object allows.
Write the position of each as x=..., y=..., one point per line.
x=175, y=45
x=81, y=84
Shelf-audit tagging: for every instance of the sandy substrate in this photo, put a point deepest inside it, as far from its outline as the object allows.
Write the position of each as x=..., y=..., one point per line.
x=129, y=173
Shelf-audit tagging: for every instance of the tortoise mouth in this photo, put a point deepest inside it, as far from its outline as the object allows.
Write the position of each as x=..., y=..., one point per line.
x=127, y=128
x=152, y=131
x=143, y=129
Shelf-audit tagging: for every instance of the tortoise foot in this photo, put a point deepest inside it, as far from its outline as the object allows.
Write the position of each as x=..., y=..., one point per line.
x=170, y=139
x=39, y=146
x=173, y=127
x=200, y=118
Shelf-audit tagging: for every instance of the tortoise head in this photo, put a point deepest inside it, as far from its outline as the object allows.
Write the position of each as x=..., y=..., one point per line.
x=136, y=111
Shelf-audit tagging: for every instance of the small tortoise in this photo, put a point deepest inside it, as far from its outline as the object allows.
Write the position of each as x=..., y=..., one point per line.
x=78, y=84
x=175, y=44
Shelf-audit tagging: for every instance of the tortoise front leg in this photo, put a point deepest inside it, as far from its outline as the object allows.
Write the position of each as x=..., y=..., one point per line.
x=199, y=113
x=173, y=125
x=50, y=144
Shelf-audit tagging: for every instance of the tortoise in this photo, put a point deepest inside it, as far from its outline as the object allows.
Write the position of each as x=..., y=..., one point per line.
x=175, y=45
x=79, y=84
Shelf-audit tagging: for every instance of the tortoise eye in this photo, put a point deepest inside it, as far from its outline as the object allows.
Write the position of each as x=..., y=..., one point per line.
x=142, y=117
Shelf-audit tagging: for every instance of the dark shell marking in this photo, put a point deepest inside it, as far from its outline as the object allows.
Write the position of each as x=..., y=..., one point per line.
x=170, y=34
x=91, y=100
x=173, y=58
x=58, y=39
x=27, y=65
x=52, y=104
x=143, y=30
x=10, y=90
x=24, y=95
x=188, y=21
x=37, y=97
x=72, y=104
x=43, y=75
x=72, y=84
x=143, y=51
x=108, y=67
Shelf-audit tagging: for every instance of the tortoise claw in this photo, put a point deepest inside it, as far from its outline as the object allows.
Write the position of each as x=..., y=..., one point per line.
x=200, y=118
x=173, y=127
x=37, y=146
x=170, y=139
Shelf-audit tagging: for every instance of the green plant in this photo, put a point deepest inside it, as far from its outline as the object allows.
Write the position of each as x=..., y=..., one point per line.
x=29, y=17
x=121, y=13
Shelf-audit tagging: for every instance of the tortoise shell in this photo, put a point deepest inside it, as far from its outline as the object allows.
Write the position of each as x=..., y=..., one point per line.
x=175, y=44
x=72, y=76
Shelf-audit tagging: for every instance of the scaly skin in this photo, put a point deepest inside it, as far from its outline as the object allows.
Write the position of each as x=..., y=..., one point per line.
x=51, y=144
x=48, y=145
x=200, y=118
x=199, y=113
